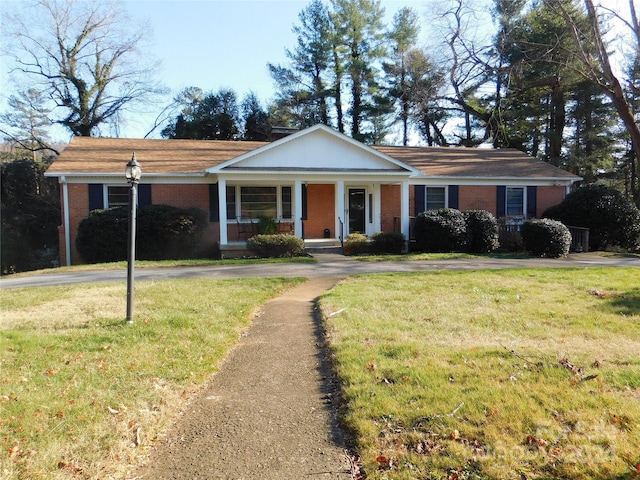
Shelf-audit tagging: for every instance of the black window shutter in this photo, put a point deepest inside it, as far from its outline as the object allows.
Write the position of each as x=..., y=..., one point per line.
x=453, y=196
x=501, y=200
x=419, y=198
x=532, y=200
x=144, y=195
x=96, y=196
x=304, y=202
x=214, y=204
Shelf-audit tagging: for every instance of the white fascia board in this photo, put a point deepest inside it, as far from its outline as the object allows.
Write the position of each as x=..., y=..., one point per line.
x=489, y=181
x=314, y=177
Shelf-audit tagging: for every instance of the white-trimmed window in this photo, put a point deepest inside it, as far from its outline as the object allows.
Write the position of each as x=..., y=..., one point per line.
x=514, y=203
x=117, y=196
x=435, y=198
x=253, y=201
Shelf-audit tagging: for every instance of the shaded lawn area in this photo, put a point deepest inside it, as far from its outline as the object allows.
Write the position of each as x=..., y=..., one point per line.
x=511, y=374
x=82, y=395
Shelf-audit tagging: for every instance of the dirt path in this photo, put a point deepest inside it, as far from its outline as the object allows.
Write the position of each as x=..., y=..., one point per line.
x=267, y=414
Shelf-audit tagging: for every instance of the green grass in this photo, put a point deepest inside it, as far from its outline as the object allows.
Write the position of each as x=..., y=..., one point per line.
x=142, y=264
x=78, y=388
x=475, y=374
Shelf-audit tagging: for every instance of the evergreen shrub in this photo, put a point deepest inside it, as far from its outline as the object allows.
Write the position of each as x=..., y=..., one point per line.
x=482, y=231
x=276, y=246
x=162, y=232
x=387, y=242
x=546, y=238
x=611, y=218
x=356, y=244
x=443, y=230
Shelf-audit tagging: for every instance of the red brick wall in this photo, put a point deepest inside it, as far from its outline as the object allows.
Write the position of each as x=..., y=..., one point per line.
x=78, y=210
x=472, y=197
x=548, y=197
x=391, y=205
x=320, y=211
x=181, y=196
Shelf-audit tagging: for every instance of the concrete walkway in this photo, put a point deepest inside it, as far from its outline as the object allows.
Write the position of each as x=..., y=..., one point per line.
x=268, y=413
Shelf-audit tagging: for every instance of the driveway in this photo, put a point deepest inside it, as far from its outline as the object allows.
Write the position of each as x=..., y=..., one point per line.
x=328, y=265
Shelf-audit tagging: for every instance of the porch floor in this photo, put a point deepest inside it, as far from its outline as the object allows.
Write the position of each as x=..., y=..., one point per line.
x=311, y=245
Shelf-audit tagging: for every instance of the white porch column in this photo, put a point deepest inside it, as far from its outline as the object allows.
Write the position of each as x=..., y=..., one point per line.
x=377, y=208
x=297, y=210
x=66, y=221
x=340, y=210
x=404, y=209
x=222, y=210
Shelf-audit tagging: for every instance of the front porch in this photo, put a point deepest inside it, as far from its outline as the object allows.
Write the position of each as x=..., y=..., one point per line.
x=311, y=211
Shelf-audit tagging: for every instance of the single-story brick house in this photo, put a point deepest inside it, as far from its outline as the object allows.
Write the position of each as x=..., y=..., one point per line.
x=316, y=182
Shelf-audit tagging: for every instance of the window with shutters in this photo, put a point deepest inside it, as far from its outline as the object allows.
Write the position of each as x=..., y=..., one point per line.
x=434, y=198
x=515, y=201
x=117, y=196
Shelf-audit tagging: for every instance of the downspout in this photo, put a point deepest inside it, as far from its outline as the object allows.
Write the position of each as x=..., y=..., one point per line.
x=65, y=210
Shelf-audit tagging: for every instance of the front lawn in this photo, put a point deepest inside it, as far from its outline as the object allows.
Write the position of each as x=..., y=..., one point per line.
x=512, y=374
x=82, y=395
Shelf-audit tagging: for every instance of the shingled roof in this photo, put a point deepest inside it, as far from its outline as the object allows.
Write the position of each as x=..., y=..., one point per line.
x=95, y=155
x=91, y=155
x=474, y=162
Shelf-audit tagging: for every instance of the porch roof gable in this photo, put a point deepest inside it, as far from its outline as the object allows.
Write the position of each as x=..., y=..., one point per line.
x=315, y=149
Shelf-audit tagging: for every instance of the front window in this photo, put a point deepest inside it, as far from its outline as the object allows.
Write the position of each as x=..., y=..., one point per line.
x=515, y=202
x=117, y=196
x=434, y=198
x=259, y=202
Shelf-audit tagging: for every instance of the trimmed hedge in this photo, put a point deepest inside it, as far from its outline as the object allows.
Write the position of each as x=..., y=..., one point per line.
x=443, y=230
x=162, y=232
x=276, y=246
x=387, y=242
x=611, y=218
x=546, y=238
x=356, y=244
x=482, y=231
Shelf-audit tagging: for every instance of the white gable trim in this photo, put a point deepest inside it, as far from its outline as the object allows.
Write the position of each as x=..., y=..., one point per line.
x=235, y=163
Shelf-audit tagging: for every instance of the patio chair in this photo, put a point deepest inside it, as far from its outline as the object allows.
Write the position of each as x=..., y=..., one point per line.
x=244, y=228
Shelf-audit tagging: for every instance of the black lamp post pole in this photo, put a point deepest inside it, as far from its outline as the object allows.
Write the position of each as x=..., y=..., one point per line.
x=133, y=176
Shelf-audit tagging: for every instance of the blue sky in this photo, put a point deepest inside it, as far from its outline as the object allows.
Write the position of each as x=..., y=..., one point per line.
x=210, y=44
x=215, y=44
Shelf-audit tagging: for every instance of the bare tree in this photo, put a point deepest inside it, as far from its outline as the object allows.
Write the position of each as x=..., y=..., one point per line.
x=595, y=66
x=25, y=125
x=83, y=55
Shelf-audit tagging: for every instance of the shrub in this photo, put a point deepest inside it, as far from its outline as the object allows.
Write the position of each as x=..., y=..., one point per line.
x=509, y=240
x=267, y=225
x=166, y=232
x=611, y=218
x=482, y=230
x=443, y=230
x=276, y=246
x=387, y=242
x=102, y=236
x=162, y=232
x=546, y=238
x=356, y=244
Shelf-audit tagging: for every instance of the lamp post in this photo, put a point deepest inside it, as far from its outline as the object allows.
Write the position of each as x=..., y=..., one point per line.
x=132, y=173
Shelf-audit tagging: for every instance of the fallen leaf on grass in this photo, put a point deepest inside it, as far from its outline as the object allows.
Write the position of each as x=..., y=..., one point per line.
x=384, y=462
x=540, y=442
